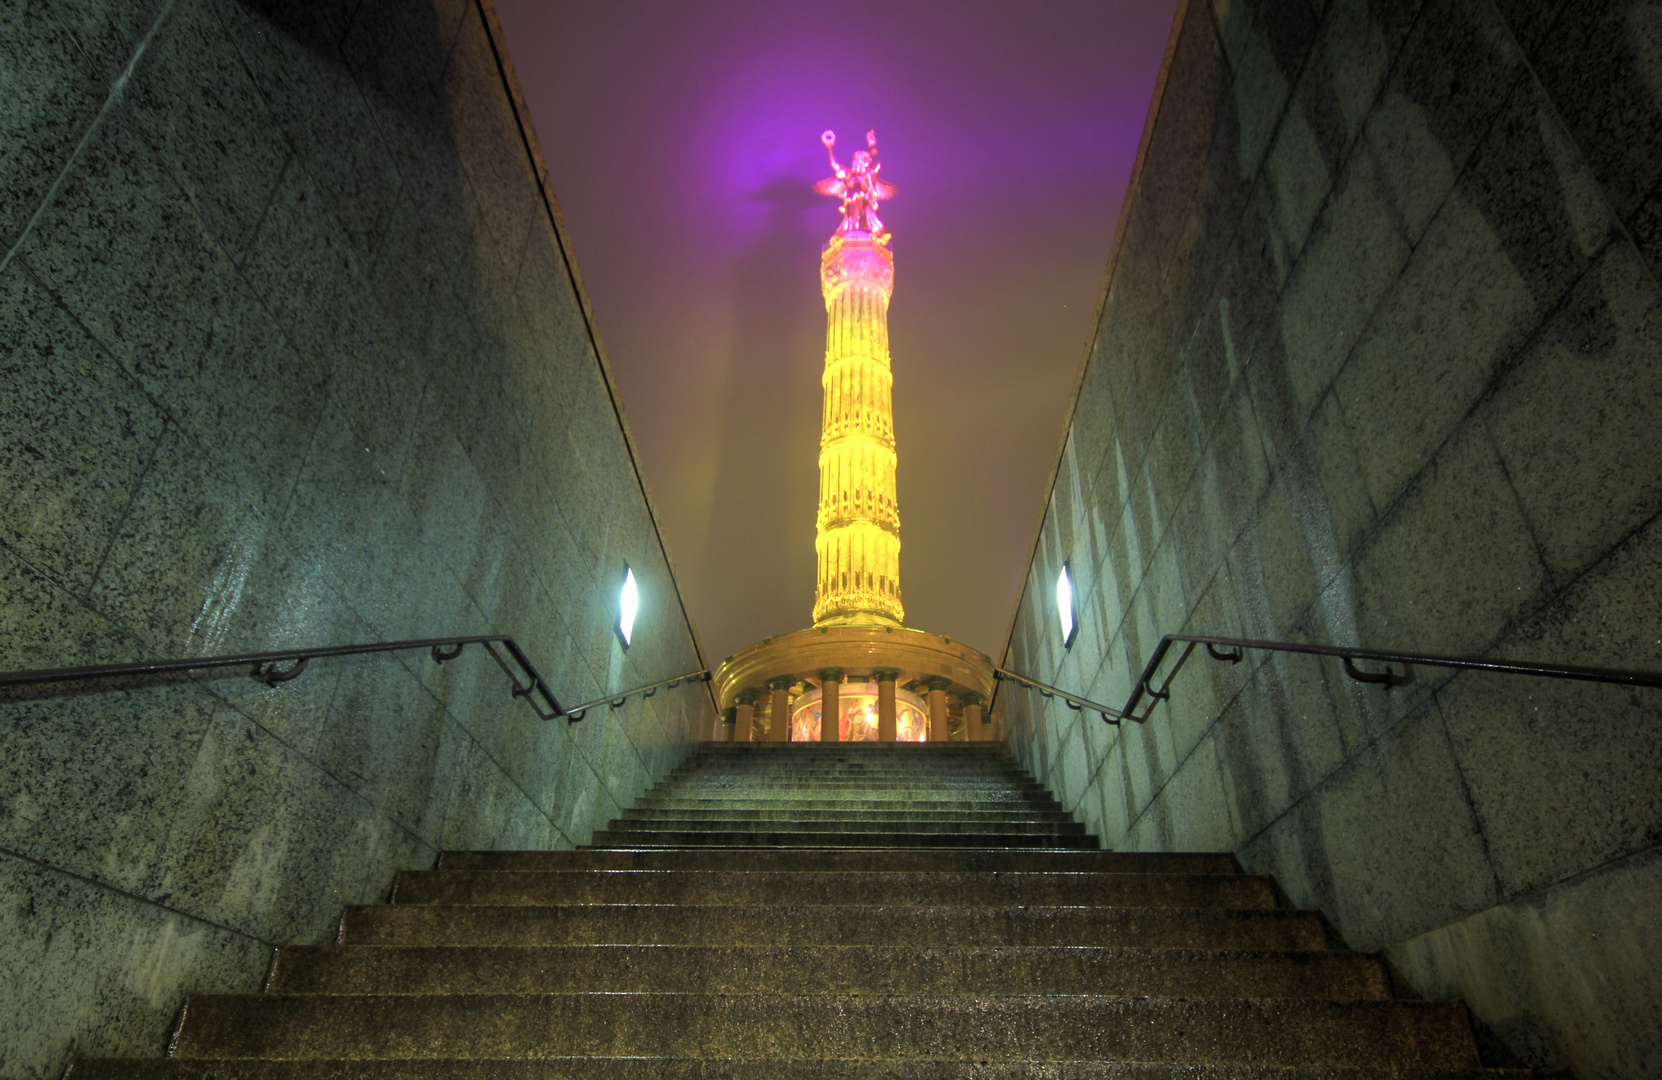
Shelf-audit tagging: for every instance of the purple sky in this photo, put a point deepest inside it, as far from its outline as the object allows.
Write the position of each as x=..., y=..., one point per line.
x=683, y=139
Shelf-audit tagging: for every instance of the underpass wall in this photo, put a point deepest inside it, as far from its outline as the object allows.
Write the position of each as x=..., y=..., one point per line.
x=292, y=353
x=1377, y=364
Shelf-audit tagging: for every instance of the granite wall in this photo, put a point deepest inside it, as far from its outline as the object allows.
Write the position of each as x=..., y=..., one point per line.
x=291, y=353
x=1379, y=362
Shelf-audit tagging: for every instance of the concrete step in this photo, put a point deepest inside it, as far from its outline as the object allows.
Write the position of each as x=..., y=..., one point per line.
x=790, y=794
x=933, y=778
x=902, y=803
x=891, y=1027
x=785, y=753
x=920, y=764
x=853, y=775
x=815, y=887
x=1071, y=862
x=776, y=813
x=850, y=787
x=808, y=756
x=629, y=838
x=837, y=969
x=1027, y=825
x=656, y=1068
x=876, y=912
x=808, y=924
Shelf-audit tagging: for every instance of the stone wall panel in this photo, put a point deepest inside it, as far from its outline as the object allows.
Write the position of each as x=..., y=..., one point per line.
x=293, y=356
x=1408, y=334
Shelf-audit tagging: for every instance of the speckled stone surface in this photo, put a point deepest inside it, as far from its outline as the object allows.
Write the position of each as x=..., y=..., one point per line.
x=883, y=962
x=1003, y=1028
x=850, y=969
x=761, y=887
x=826, y=924
x=699, y=1069
x=1376, y=365
x=1073, y=862
x=289, y=355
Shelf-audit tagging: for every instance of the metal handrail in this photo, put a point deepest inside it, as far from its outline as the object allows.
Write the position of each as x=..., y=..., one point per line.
x=1077, y=704
x=617, y=700
x=268, y=667
x=1233, y=651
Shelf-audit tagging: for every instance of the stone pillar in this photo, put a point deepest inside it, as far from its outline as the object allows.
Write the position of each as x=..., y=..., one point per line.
x=830, y=712
x=937, y=707
x=744, y=716
x=726, y=723
x=885, y=677
x=779, y=719
x=972, y=702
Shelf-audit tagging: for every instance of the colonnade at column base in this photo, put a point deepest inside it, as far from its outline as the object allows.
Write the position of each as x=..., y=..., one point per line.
x=881, y=683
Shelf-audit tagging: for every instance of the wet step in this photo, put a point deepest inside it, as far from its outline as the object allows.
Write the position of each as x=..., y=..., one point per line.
x=938, y=889
x=1027, y=824
x=771, y=813
x=782, y=1026
x=839, y=969
x=894, y=770
x=853, y=787
x=856, y=751
x=881, y=765
x=658, y=1068
x=808, y=800
x=876, y=912
x=1072, y=862
x=836, y=839
x=815, y=924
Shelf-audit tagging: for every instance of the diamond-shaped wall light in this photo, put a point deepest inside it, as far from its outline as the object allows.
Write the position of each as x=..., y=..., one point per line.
x=1064, y=605
x=628, y=604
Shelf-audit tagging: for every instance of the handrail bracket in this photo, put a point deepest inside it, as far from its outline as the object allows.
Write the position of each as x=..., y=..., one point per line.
x=1386, y=678
x=271, y=672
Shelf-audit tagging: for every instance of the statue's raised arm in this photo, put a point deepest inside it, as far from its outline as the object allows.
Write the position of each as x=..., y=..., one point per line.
x=829, y=138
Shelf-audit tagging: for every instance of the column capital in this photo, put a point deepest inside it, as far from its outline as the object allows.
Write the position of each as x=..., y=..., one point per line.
x=972, y=697
x=747, y=696
x=936, y=682
x=729, y=715
x=831, y=674
x=781, y=682
x=885, y=674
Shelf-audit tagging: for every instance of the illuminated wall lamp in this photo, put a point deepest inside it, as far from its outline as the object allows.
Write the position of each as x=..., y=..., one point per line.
x=628, y=603
x=1064, y=606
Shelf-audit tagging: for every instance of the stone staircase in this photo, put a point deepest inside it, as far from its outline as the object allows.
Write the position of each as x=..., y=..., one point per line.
x=858, y=795
x=869, y=911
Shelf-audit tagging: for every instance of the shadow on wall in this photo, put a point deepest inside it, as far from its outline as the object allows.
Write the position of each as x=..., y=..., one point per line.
x=769, y=432
x=1376, y=366
x=293, y=358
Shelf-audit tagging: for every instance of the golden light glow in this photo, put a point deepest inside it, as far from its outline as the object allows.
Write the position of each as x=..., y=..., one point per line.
x=858, y=705
x=858, y=541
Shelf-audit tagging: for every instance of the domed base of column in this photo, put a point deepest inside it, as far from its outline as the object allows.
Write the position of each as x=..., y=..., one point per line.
x=926, y=674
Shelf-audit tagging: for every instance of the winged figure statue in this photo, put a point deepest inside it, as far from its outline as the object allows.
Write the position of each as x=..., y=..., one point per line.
x=858, y=186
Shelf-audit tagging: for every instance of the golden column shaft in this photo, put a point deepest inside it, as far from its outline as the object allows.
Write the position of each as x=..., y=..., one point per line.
x=858, y=541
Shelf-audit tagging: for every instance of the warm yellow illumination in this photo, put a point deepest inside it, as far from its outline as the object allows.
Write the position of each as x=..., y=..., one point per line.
x=857, y=704
x=858, y=540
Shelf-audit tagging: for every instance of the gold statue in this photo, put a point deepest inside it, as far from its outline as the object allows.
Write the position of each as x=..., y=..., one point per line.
x=858, y=186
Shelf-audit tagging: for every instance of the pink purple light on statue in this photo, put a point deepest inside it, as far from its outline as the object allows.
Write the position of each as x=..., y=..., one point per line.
x=858, y=186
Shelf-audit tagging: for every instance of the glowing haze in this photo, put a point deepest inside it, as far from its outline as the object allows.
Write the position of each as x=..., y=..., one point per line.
x=684, y=143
